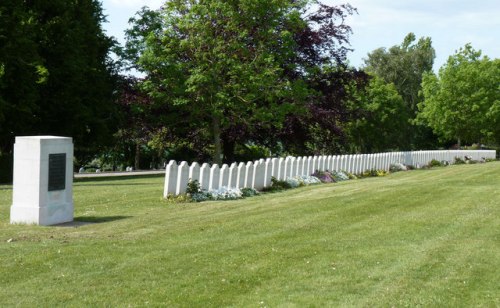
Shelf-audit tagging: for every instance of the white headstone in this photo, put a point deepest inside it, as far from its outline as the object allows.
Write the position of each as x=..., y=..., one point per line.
x=43, y=180
x=309, y=166
x=274, y=167
x=170, y=178
x=240, y=176
x=248, y=174
x=213, y=182
x=194, y=172
x=204, y=176
x=224, y=176
x=267, y=172
x=182, y=178
x=281, y=169
x=232, y=177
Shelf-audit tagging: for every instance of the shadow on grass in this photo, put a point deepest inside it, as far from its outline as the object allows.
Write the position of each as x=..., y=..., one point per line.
x=115, y=184
x=116, y=178
x=99, y=219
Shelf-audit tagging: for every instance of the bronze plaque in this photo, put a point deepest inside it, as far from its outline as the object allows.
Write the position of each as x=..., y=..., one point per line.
x=57, y=171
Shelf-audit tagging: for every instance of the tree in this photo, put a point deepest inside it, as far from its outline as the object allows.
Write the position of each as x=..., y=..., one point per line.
x=463, y=101
x=403, y=65
x=381, y=112
x=240, y=67
x=58, y=77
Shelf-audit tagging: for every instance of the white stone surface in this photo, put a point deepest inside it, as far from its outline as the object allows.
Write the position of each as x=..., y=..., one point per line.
x=194, y=172
x=170, y=178
x=213, y=182
x=182, y=178
x=32, y=203
x=204, y=176
x=248, y=175
x=232, y=178
x=224, y=176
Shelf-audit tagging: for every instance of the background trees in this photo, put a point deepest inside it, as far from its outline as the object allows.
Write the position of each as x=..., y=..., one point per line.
x=463, y=102
x=403, y=65
x=57, y=77
x=243, y=67
x=227, y=81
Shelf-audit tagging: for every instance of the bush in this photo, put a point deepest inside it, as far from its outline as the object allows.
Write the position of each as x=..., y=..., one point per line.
x=306, y=180
x=200, y=196
x=277, y=185
x=324, y=176
x=193, y=187
x=224, y=193
x=396, y=167
x=459, y=161
x=339, y=176
x=374, y=173
x=435, y=163
x=294, y=182
x=351, y=176
x=248, y=192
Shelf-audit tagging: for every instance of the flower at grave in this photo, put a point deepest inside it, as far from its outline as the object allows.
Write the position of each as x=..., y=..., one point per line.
x=339, y=176
x=309, y=179
x=397, y=167
x=294, y=182
x=324, y=176
x=225, y=193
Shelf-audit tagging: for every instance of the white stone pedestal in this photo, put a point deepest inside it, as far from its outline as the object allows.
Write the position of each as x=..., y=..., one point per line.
x=43, y=180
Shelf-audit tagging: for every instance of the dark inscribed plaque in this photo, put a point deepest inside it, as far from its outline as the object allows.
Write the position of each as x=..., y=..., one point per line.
x=57, y=171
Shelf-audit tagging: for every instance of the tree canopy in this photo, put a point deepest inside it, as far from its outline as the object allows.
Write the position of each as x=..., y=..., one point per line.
x=239, y=63
x=57, y=77
x=463, y=101
x=403, y=65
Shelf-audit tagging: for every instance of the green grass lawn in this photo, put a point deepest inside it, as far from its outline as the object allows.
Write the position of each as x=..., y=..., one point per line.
x=418, y=238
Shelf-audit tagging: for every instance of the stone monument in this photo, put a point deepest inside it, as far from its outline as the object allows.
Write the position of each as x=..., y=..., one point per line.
x=43, y=180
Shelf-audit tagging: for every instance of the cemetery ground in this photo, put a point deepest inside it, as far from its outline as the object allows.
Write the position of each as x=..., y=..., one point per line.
x=423, y=237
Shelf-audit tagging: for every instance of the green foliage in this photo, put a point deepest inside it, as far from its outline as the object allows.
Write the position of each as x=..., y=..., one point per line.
x=220, y=60
x=403, y=66
x=459, y=161
x=382, y=115
x=435, y=163
x=57, y=78
x=374, y=173
x=277, y=185
x=193, y=187
x=248, y=192
x=463, y=102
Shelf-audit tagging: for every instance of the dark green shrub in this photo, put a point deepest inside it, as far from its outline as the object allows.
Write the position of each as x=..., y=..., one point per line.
x=248, y=192
x=193, y=187
x=277, y=185
x=459, y=161
x=435, y=163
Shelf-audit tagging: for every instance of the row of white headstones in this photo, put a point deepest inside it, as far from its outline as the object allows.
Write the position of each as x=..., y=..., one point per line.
x=258, y=174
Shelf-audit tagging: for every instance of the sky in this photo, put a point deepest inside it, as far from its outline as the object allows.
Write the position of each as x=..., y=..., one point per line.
x=383, y=23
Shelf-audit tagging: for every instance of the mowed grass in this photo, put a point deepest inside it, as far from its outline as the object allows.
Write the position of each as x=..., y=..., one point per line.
x=418, y=238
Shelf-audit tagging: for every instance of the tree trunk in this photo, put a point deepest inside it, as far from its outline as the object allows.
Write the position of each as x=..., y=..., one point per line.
x=137, y=156
x=217, y=140
x=458, y=143
x=228, y=151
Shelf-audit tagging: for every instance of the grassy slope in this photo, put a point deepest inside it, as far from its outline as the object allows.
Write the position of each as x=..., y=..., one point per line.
x=414, y=238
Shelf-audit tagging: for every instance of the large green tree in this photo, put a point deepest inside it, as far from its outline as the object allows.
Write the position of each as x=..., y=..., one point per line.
x=223, y=60
x=239, y=69
x=380, y=114
x=463, y=102
x=404, y=65
x=57, y=75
